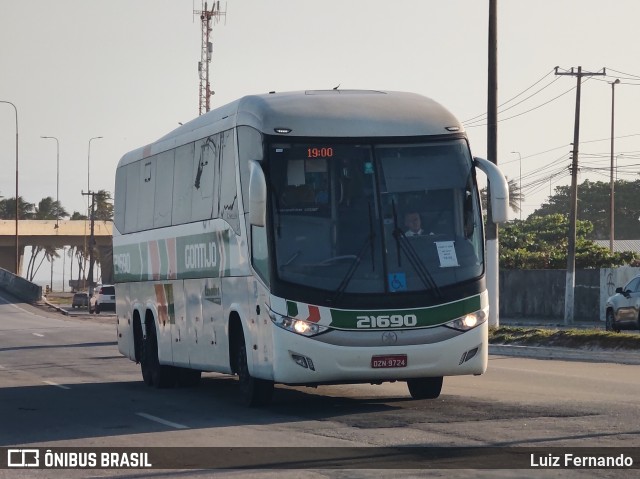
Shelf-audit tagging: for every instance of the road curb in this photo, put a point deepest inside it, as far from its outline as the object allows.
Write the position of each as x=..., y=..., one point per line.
x=57, y=308
x=565, y=354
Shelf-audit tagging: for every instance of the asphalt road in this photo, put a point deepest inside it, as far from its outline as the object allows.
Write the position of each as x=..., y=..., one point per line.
x=63, y=383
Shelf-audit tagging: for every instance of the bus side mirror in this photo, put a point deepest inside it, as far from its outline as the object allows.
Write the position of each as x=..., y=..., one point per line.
x=257, y=194
x=499, y=190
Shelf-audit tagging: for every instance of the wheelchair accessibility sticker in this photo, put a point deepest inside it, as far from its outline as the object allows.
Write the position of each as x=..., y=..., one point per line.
x=397, y=282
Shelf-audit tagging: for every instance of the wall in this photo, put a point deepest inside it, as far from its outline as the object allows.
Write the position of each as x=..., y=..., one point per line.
x=540, y=294
x=19, y=287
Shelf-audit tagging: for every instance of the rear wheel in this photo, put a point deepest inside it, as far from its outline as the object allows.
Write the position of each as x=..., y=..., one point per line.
x=97, y=310
x=154, y=373
x=253, y=392
x=425, y=388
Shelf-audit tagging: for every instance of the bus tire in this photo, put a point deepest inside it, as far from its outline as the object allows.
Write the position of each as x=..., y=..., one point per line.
x=253, y=392
x=425, y=388
x=154, y=373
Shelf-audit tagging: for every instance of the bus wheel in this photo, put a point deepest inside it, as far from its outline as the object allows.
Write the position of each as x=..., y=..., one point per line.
x=154, y=373
x=253, y=392
x=188, y=378
x=425, y=388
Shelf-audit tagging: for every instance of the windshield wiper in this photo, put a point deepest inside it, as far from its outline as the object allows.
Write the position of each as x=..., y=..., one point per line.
x=404, y=245
x=368, y=242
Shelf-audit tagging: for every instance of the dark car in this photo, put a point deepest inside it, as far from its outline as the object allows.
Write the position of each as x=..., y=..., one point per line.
x=80, y=300
x=623, y=308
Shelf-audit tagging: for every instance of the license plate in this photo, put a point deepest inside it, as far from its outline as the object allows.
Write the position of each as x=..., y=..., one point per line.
x=389, y=361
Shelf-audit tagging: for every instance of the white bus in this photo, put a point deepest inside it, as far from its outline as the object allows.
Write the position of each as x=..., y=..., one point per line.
x=306, y=238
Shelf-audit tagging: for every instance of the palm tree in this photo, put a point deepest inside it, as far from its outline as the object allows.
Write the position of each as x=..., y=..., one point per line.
x=47, y=209
x=8, y=209
x=515, y=196
x=104, y=206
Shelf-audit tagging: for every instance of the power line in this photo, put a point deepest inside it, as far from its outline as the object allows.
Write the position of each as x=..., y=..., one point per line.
x=527, y=111
x=513, y=98
x=623, y=73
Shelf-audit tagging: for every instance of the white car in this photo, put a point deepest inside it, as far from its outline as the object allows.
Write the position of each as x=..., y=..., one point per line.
x=103, y=299
x=623, y=308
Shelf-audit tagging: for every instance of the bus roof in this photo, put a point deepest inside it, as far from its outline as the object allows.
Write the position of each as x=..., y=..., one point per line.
x=326, y=113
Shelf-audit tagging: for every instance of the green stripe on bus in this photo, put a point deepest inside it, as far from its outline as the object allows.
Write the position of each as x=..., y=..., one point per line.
x=130, y=262
x=205, y=255
x=432, y=316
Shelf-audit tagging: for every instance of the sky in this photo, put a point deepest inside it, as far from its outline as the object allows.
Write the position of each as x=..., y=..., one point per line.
x=126, y=70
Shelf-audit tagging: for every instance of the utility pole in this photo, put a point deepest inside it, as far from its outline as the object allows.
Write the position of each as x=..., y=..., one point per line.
x=493, y=284
x=206, y=50
x=612, y=195
x=573, y=212
x=91, y=240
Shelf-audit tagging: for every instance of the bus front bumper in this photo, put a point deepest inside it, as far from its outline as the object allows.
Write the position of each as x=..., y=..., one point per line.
x=302, y=360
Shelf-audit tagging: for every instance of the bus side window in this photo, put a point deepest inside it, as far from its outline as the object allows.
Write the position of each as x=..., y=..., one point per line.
x=121, y=195
x=259, y=252
x=131, y=210
x=182, y=184
x=249, y=148
x=146, y=193
x=164, y=189
x=204, y=164
x=228, y=203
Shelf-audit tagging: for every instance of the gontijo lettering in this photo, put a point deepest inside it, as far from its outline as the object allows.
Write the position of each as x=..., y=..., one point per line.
x=200, y=255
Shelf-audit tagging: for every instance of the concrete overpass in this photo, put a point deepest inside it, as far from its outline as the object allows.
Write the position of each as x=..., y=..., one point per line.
x=58, y=234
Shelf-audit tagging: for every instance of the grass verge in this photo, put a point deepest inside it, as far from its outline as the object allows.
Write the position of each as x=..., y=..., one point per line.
x=591, y=339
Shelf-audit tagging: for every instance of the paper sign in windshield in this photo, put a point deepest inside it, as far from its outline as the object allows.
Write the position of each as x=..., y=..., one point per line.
x=447, y=254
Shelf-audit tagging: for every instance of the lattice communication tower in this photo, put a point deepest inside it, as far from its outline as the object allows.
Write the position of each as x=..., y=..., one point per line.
x=208, y=18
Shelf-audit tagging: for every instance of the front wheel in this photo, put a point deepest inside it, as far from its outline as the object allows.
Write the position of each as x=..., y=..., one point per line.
x=253, y=392
x=610, y=322
x=425, y=388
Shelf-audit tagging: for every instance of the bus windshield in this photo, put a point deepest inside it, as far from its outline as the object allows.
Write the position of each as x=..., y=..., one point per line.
x=373, y=218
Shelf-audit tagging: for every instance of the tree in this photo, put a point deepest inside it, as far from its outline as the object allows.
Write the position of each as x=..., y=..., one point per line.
x=594, y=203
x=104, y=206
x=515, y=196
x=47, y=209
x=540, y=242
x=8, y=209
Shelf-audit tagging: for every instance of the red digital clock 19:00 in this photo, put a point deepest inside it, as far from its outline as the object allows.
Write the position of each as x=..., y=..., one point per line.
x=324, y=152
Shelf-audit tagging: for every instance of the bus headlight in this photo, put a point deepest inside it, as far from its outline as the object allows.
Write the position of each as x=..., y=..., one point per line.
x=469, y=321
x=298, y=326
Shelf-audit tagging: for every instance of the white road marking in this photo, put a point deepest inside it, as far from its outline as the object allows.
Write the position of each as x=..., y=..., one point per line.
x=162, y=421
x=38, y=334
x=51, y=383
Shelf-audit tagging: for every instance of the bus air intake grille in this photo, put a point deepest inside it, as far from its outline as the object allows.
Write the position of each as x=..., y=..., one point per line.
x=467, y=355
